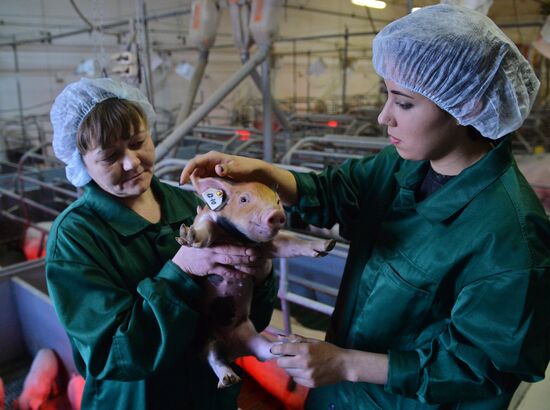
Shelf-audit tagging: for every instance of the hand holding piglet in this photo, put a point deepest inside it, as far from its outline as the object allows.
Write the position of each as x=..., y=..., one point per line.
x=224, y=260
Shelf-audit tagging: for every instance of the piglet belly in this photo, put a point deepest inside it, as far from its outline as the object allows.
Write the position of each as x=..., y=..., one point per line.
x=227, y=301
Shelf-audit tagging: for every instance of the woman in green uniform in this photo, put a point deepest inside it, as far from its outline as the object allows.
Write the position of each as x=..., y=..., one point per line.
x=444, y=299
x=121, y=285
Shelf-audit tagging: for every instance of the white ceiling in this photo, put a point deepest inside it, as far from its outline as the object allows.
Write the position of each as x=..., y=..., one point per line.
x=33, y=19
x=48, y=50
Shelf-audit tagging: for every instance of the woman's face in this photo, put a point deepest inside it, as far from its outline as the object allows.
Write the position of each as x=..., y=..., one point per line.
x=417, y=127
x=126, y=168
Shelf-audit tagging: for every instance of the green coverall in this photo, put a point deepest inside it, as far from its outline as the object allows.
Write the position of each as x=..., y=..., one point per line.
x=455, y=288
x=129, y=311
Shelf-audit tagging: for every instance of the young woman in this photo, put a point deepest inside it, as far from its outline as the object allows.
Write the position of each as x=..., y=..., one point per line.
x=121, y=285
x=443, y=303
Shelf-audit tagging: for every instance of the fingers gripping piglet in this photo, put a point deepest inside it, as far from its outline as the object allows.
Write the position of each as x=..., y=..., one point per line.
x=243, y=213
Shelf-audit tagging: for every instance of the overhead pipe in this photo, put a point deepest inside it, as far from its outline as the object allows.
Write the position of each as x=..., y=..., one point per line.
x=49, y=37
x=196, y=116
x=287, y=39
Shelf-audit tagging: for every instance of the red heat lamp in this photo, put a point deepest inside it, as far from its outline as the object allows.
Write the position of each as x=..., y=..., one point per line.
x=332, y=124
x=244, y=135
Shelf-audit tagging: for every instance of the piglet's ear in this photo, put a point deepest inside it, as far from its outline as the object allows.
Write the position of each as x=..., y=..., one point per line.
x=202, y=184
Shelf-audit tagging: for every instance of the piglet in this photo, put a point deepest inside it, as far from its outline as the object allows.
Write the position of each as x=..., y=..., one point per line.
x=242, y=213
x=75, y=390
x=41, y=381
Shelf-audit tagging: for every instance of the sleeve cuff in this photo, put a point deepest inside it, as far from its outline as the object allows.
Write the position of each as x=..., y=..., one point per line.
x=306, y=191
x=403, y=373
x=184, y=284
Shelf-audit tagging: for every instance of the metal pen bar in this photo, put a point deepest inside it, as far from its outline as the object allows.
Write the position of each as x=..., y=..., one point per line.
x=49, y=186
x=30, y=202
x=309, y=303
x=327, y=290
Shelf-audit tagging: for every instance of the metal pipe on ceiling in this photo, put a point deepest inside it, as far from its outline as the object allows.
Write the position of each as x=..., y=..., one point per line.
x=333, y=13
x=49, y=37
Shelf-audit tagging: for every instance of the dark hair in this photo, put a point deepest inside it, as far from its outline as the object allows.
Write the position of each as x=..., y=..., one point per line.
x=474, y=134
x=471, y=131
x=109, y=121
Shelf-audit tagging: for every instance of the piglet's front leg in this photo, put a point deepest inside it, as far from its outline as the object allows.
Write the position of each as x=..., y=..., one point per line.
x=287, y=245
x=199, y=235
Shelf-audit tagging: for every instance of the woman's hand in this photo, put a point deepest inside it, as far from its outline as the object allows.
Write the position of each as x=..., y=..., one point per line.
x=311, y=362
x=259, y=269
x=243, y=169
x=215, y=163
x=314, y=363
x=224, y=260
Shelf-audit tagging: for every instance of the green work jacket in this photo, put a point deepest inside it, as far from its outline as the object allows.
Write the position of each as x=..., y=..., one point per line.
x=129, y=311
x=455, y=288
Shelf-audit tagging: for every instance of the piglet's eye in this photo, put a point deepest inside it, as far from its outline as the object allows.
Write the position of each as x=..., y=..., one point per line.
x=243, y=199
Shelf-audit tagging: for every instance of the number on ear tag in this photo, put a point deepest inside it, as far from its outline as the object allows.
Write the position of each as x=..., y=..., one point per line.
x=214, y=198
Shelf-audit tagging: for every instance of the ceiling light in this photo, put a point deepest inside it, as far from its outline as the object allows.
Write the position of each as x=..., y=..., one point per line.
x=415, y=8
x=375, y=4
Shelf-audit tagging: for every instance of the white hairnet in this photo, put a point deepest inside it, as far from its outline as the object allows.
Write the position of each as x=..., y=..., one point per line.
x=72, y=105
x=460, y=60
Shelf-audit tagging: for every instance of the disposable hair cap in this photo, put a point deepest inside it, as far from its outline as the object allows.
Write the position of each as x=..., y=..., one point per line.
x=460, y=60
x=71, y=107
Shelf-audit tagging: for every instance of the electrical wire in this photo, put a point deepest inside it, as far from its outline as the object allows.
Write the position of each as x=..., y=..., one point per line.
x=81, y=15
x=369, y=15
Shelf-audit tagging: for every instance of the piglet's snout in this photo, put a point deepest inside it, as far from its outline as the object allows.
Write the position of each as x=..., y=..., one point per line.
x=274, y=219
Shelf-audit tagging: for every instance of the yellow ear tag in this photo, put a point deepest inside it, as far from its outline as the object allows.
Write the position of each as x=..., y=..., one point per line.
x=214, y=198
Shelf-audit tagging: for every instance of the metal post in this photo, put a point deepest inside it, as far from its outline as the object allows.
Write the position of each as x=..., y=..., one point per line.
x=345, y=70
x=148, y=71
x=279, y=115
x=266, y=103
x=19, y=97
x=283, y=290
x=196, y=116
x=307, y=81
x=294, y=98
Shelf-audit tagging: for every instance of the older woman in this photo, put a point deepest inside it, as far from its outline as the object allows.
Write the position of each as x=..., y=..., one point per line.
x=121, y=285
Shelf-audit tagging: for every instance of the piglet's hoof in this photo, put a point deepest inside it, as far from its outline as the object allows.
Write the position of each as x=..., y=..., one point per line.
x=323, y=248
x=183, y=239
x=229, y=379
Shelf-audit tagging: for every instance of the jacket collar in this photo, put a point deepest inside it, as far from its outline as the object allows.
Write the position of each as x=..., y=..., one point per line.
x=125, y=221
x=456, y=193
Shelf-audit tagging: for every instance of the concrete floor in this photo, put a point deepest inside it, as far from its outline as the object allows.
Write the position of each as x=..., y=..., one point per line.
x=534, y=396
